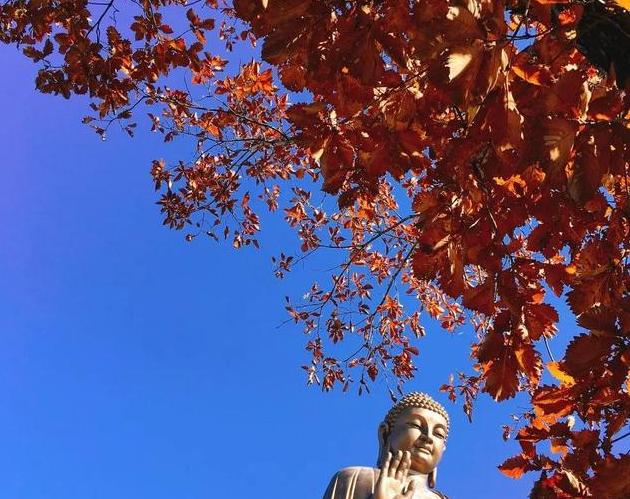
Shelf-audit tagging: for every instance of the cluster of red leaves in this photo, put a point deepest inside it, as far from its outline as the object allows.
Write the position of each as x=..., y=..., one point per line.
x=477, y=157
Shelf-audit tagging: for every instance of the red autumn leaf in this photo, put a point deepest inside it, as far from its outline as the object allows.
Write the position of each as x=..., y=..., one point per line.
x=473, y=71
x=501, y=376
x=556, y=277
x=532, y=434
x=305, y=115
x=493, y=344
x=336, y=161
x=533, y=73
x=552, y=402
x=541, y=239
x=597, y=291
x=552, y=2
x=480, y=297
x=540, y=320
x=585, y=438
x=293, y=77
x=426, y=264
x=452, y=270
x=558, y=136
x=412, y=143
x=569, y=95
x=559, y=446
x=515, y=467
x=529, y=362
x=586, y=352
x=585, y=175
x=599, y=318
x=503, y=122
x=606, y=107
x=594, y=259
x=617, y=423
x=611, y=478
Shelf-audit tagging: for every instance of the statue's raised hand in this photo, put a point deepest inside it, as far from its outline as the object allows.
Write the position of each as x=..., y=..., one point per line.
x=392, y=478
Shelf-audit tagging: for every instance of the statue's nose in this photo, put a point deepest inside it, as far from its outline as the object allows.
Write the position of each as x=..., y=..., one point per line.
x=425, y=437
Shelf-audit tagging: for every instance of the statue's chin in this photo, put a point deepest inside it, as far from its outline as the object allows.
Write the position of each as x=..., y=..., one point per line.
x=422, y=464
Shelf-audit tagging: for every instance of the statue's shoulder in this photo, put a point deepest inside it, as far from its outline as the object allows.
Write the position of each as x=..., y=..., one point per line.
x=354, y=482
x=353, y=471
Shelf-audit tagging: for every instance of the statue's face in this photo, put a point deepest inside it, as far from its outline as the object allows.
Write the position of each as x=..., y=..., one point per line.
x=421, y=432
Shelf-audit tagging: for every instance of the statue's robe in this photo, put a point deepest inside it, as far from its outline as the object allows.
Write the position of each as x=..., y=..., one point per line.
x=357, y=482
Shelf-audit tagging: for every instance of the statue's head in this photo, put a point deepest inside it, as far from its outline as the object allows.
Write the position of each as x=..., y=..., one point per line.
x=418, y=424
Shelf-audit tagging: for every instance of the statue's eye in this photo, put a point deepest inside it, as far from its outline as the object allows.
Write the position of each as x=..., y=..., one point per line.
x=414, y=425
x=441, y=435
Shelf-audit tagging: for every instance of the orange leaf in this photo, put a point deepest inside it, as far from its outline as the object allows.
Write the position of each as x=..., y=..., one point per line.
x=559, y=446
x=515, y=185
x=557, y=372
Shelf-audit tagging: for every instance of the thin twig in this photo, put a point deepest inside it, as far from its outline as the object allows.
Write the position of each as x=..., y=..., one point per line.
x=548, y=349
x=373, y=238
x=619, y=438
x=98, y=21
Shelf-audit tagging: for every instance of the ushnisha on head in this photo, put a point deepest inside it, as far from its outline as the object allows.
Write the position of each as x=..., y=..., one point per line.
x=419, y=425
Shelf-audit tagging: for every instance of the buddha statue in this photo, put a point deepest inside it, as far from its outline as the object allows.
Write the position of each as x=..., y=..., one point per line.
x=411, y=440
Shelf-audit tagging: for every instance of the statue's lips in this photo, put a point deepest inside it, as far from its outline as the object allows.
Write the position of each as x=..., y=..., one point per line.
x=423, y=450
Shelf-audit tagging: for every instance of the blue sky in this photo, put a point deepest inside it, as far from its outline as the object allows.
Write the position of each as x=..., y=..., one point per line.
x=136, y=365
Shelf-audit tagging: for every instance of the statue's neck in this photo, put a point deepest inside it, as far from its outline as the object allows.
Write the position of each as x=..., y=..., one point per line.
x=421, y=479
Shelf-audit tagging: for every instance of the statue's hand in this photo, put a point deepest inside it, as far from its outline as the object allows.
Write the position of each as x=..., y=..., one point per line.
x=391, y=480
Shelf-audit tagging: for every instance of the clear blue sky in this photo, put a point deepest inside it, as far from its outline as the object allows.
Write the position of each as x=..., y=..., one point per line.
x=135, y=365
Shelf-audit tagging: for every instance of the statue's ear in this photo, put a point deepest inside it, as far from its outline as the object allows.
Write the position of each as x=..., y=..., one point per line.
x=383, y=434
x=432, y=480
